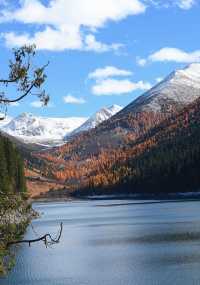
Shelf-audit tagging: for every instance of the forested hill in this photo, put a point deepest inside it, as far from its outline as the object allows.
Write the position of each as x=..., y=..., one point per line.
x=150, y=145
x=166, y=159
x=12, y=178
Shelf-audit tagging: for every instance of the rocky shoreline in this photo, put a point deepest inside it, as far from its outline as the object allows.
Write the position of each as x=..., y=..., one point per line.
x=13, y=223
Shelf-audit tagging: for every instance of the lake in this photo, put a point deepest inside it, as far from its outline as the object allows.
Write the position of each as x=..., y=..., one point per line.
x=112, y=243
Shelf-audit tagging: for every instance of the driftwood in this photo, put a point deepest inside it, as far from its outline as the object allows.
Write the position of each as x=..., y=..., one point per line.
x=47, y=239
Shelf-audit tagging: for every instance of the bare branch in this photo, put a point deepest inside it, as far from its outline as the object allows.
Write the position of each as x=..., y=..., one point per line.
x=47, y=239
x=7, y=101
x=6, y=81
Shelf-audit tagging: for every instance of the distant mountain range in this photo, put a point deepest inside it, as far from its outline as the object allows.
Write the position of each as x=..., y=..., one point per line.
x=175, y=92
x=32, y=129
x=52, y=131
x=132, y=142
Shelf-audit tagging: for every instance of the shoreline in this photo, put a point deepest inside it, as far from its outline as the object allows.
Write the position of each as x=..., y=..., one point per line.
x=16, y=222
x=170, y=197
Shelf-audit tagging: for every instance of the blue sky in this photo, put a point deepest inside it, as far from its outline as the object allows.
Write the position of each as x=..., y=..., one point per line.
x=101, y=52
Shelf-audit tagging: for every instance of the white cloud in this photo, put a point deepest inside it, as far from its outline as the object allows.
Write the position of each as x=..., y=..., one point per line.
x=36, y=104
x=172, y=54
x=185, y=4
x=118, y=87
x=39, y=104
x=63, y=22
x=107, y=84
x=108, y=71
x=182, y=4
x=14, y=104
x=141, y=61
x=69, y=99
x=48, y=39
x=91, y=44
x=159, y=79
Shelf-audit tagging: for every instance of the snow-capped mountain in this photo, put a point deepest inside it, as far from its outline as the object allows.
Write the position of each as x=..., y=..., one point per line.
x=175, y=92
x=33, y=129
x=97, y=118
x=178, y=89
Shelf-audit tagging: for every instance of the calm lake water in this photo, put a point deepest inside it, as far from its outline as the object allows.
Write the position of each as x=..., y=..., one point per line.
x=112, y=243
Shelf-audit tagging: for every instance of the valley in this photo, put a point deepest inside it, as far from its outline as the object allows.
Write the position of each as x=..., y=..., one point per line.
x=145, y=147
x=99, y=142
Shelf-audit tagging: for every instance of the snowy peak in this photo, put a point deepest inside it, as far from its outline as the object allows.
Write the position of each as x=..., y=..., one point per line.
x=103, y=114
x=114, y=109
x=97, y=118
x=190, y=76
x=30, y=128
x=26, y=124
x=177, y=90
x=52, y=131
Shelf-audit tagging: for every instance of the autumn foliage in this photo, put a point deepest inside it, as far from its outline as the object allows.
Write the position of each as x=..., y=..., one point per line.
x=149, y=152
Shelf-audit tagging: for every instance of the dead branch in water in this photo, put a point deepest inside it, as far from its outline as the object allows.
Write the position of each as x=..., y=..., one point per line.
x=47, y=239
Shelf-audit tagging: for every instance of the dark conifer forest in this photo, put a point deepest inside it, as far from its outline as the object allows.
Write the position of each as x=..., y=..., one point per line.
x=12, y=178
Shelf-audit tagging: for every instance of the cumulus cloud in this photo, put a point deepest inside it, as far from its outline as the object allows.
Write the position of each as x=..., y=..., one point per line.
x=48, y=39
x=159, y=79
x=36, y=104
x=62, y=21
x=108, y=71
x=118, y=87
x=91, y=44
x=63, y=24
x=14, y=104
x=141, y=61
x=171, y=54
x=69, y=99
x=186, y=4
x=106, y=83
x=182, y=4
x=39, y=104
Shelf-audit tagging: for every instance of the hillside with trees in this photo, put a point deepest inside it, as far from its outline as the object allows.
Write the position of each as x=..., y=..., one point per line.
x=164, y=159
x=125, y=148
x=14, y=210
x=12, y=178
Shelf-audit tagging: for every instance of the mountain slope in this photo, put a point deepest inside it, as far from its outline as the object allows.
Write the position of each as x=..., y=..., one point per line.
x=178, y=89
x=169, y=96
x=96, y=119
x=32, y=129
x=99, y=157
x=165, y=160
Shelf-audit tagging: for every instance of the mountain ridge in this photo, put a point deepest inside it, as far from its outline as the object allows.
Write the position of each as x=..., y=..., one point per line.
x=138, y=117
x=36, y=129
x=96, y=119
x=49, y=131
x=96, y=148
